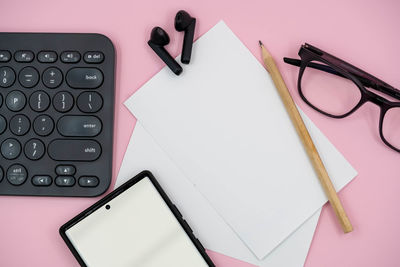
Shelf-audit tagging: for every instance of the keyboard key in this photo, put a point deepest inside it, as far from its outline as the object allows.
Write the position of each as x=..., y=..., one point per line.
x=24, y=56
x=41, y=180
x=74, y=150
x=39, y=101
x=5, y=56
x=17, y=174
x=65, y=181
x=43, y=125
x=70, y=57
x=65, y=170
x=34, y=149
x=63, y=101
x=3, y=124
x=52, y=77
x=7, y=77
x=10, y=148
x=88, y=181
x=79, y=126
x=93, y=57
x=1, y=174
x=84, y=78
x=15, y=100
x=89, y=102
x=28, y=77
x=47, y=57
x=20, y=124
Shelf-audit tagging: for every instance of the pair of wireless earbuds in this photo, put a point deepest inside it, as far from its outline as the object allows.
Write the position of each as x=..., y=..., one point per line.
x=159, y=39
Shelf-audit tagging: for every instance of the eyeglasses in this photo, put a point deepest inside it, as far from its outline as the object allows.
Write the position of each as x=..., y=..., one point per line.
x=336, y=89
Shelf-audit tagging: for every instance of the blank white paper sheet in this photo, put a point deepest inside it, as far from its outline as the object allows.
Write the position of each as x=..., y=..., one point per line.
x=223, y=124
x=144, y=154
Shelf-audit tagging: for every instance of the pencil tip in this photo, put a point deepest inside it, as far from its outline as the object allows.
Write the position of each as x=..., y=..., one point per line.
x=260, y=43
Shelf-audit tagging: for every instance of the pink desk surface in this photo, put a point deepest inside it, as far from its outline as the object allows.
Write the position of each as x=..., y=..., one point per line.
x=365, y=33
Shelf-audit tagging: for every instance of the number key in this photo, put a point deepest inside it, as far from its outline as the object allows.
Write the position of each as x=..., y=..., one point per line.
x=7, y=77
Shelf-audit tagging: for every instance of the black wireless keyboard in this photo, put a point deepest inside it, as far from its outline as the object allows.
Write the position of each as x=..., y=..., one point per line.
x=56, y=114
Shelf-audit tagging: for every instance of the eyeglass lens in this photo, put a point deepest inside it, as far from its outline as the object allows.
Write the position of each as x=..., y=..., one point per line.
x=337, y=96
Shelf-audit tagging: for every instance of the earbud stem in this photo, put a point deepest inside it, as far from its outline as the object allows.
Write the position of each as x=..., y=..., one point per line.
x=188, y=42
x=166, y=57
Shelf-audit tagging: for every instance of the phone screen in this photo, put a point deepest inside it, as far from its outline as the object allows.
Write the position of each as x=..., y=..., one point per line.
x=136, y=228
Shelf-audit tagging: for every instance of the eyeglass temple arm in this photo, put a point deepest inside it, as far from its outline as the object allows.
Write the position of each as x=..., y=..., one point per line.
x=366, y=82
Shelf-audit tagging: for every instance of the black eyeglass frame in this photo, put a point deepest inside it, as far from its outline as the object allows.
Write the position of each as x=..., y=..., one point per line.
x=362, y=79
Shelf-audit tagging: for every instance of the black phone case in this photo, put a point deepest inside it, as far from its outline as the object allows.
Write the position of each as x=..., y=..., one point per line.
x=115, y=194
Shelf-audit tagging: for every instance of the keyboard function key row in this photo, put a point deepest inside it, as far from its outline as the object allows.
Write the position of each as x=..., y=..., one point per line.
x=91, y=57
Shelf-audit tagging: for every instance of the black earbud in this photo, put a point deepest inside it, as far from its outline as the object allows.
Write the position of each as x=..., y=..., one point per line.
x=184, y=22
x=158, y=39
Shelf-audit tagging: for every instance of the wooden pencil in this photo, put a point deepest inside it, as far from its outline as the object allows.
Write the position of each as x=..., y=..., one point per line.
x=309, y=146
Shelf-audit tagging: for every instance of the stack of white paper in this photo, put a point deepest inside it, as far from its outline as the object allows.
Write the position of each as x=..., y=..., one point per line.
x=235, y=164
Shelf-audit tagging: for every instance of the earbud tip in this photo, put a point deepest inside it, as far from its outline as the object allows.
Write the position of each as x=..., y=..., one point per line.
x=159, y=36
x=182, y=20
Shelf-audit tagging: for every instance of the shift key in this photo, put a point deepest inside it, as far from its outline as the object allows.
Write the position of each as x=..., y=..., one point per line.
x=74, y=150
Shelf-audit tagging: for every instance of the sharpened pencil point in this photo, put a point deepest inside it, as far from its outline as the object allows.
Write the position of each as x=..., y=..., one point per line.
x=260, y=42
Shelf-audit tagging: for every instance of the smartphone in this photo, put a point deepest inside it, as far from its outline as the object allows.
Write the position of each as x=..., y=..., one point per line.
x=136, y=225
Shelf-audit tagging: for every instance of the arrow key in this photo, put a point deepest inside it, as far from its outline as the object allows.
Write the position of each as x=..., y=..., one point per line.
x=41, y=180
x=65, y=181
x=88, y=181
x=65, y=170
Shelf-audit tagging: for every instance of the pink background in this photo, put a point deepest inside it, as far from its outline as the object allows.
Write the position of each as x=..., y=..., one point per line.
x=362, y=32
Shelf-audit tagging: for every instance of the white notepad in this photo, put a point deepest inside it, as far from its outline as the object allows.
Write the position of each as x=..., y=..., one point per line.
x=223, y=124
